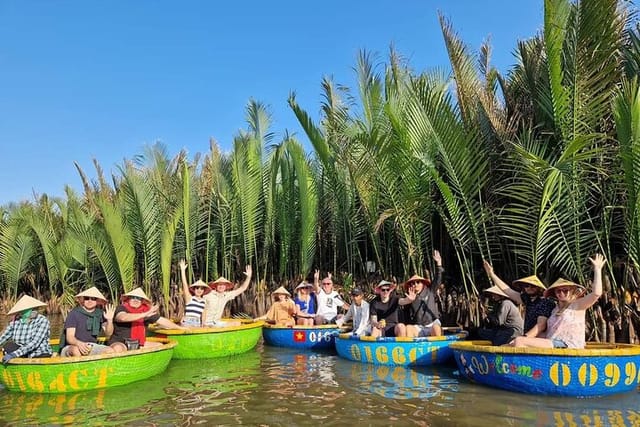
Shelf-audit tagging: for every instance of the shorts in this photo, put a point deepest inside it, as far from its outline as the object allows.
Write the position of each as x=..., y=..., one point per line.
x=95, y=350
x=558, y=343
x=425, y=330
x=191, y=321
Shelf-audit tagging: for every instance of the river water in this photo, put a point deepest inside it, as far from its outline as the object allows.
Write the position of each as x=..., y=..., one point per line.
x=279, y=387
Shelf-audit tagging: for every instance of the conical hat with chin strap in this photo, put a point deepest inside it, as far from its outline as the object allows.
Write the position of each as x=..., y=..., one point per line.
x=26, y=303
x=137, y=292
x=92, y=292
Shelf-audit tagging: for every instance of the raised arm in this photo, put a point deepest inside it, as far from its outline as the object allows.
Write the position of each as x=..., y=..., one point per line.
x=185, y=285
x=109, y=311
x=598, y=262
x=248, y=271
x=513, y=295
x=437, y=275
x=316, y=281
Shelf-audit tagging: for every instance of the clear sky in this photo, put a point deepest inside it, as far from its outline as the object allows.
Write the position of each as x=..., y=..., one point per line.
x=101, y=79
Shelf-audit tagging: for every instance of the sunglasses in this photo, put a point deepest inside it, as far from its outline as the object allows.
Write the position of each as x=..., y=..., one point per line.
x=90, y=298
x=136, y=298
x=385, y=289
x=563, y=290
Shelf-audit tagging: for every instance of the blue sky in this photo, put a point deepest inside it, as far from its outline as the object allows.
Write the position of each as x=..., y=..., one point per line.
x=85, y=79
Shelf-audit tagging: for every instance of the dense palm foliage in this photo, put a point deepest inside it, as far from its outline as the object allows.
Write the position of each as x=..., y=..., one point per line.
x=534, y=170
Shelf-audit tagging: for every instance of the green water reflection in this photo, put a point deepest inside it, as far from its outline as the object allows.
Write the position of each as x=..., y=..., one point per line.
x=270, y=386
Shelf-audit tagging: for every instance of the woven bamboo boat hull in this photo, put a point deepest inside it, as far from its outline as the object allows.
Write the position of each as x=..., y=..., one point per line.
x=598, y=370
x=205, y=343
x=398, y=351
x=321, y=337
x=73, y=374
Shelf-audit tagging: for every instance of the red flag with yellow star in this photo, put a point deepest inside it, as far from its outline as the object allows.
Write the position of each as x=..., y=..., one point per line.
x=299, y=336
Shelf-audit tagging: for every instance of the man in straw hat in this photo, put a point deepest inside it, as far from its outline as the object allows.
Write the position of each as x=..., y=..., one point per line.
x=566, y=326
x=194, y=301
x=421, y=300
x=131, y=318
x=306, y=303
x=217, y=300
x=504, y=321
x=529, y=291
x=27, y=335
x=84, y=323
x=384, y=310
x=282, y=310
x=328, y=300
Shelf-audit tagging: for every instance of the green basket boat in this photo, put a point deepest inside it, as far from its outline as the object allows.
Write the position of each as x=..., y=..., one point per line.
x=72, y=374
x=204, y=343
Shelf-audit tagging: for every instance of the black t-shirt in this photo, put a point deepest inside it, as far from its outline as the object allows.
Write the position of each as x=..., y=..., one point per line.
x=122, y=330
x=385, y=310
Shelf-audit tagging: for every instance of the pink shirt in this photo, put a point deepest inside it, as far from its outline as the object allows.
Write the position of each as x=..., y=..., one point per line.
x=567, y=325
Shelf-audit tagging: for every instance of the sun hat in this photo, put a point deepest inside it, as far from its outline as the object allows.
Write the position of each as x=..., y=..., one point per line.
x=137, y=292
x=496, y=291
x=92, y=292
x=221, y=281
x=304, y=284
x=529, y=280
x=25, y=303
x=383, y=283
x=415, y=278
x=562, y=283
x=281, y=290
x=199, y=284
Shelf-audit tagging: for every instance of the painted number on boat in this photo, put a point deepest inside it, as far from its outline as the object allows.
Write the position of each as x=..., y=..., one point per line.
x=396, y=355
x=320, y=336
x=75, y=380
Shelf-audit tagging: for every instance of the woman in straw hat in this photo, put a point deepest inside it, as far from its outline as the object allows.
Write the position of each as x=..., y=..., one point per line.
x=216, y=301
x=504, y=322
x=27, y=335
x=282, y=310
x=306, y=304
x=131, y=319
x=84, y=323
x=194, y=301
x=566, y=326
x=531, y=289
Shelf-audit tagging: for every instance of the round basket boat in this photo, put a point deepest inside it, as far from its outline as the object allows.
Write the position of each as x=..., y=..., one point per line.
x=72, y=374
x=598, y=370
x=319, y=337
x=204, y=343
x=399, y=351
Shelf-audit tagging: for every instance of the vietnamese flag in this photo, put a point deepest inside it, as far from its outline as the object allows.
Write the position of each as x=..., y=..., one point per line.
x=299, y=336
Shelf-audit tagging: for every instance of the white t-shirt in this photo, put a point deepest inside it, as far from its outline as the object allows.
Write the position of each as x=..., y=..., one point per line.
x=328, y=304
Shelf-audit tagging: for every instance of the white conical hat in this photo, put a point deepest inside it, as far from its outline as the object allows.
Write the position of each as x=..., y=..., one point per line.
x=137, y=292
x=92, y=292
x=25, y=303
x=497, y=291
x=281, y=290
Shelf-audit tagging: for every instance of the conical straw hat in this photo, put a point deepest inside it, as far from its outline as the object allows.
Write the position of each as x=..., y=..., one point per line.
x=415, y=278
x=25, y=303
x=137, y=292
x=92, y=292
x=497, y=291
x=200, y=284
x=221, y=281
x=281, y=290
x=529, y=280
x=562, y=283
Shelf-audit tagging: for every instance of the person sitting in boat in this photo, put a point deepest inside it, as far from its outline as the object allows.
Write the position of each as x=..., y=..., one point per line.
x=531, y=289
x=282, y=310
x=328, y=300
x=504, y=321
x=384, y=312
x=221, y=295
x=358, y=312
x=423, y=316
x=566, y=326
x=85, y=322
x=194, y=301
x=27, y=335
x=130, y=321
x=305, y=301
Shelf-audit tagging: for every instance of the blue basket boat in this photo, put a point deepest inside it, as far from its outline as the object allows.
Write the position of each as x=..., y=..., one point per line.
x=402, y=351
x=598, y=370
x=319, y=337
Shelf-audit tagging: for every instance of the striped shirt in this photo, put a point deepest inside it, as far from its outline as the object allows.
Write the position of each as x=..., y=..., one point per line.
x=195, y=307
x=32, y=336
